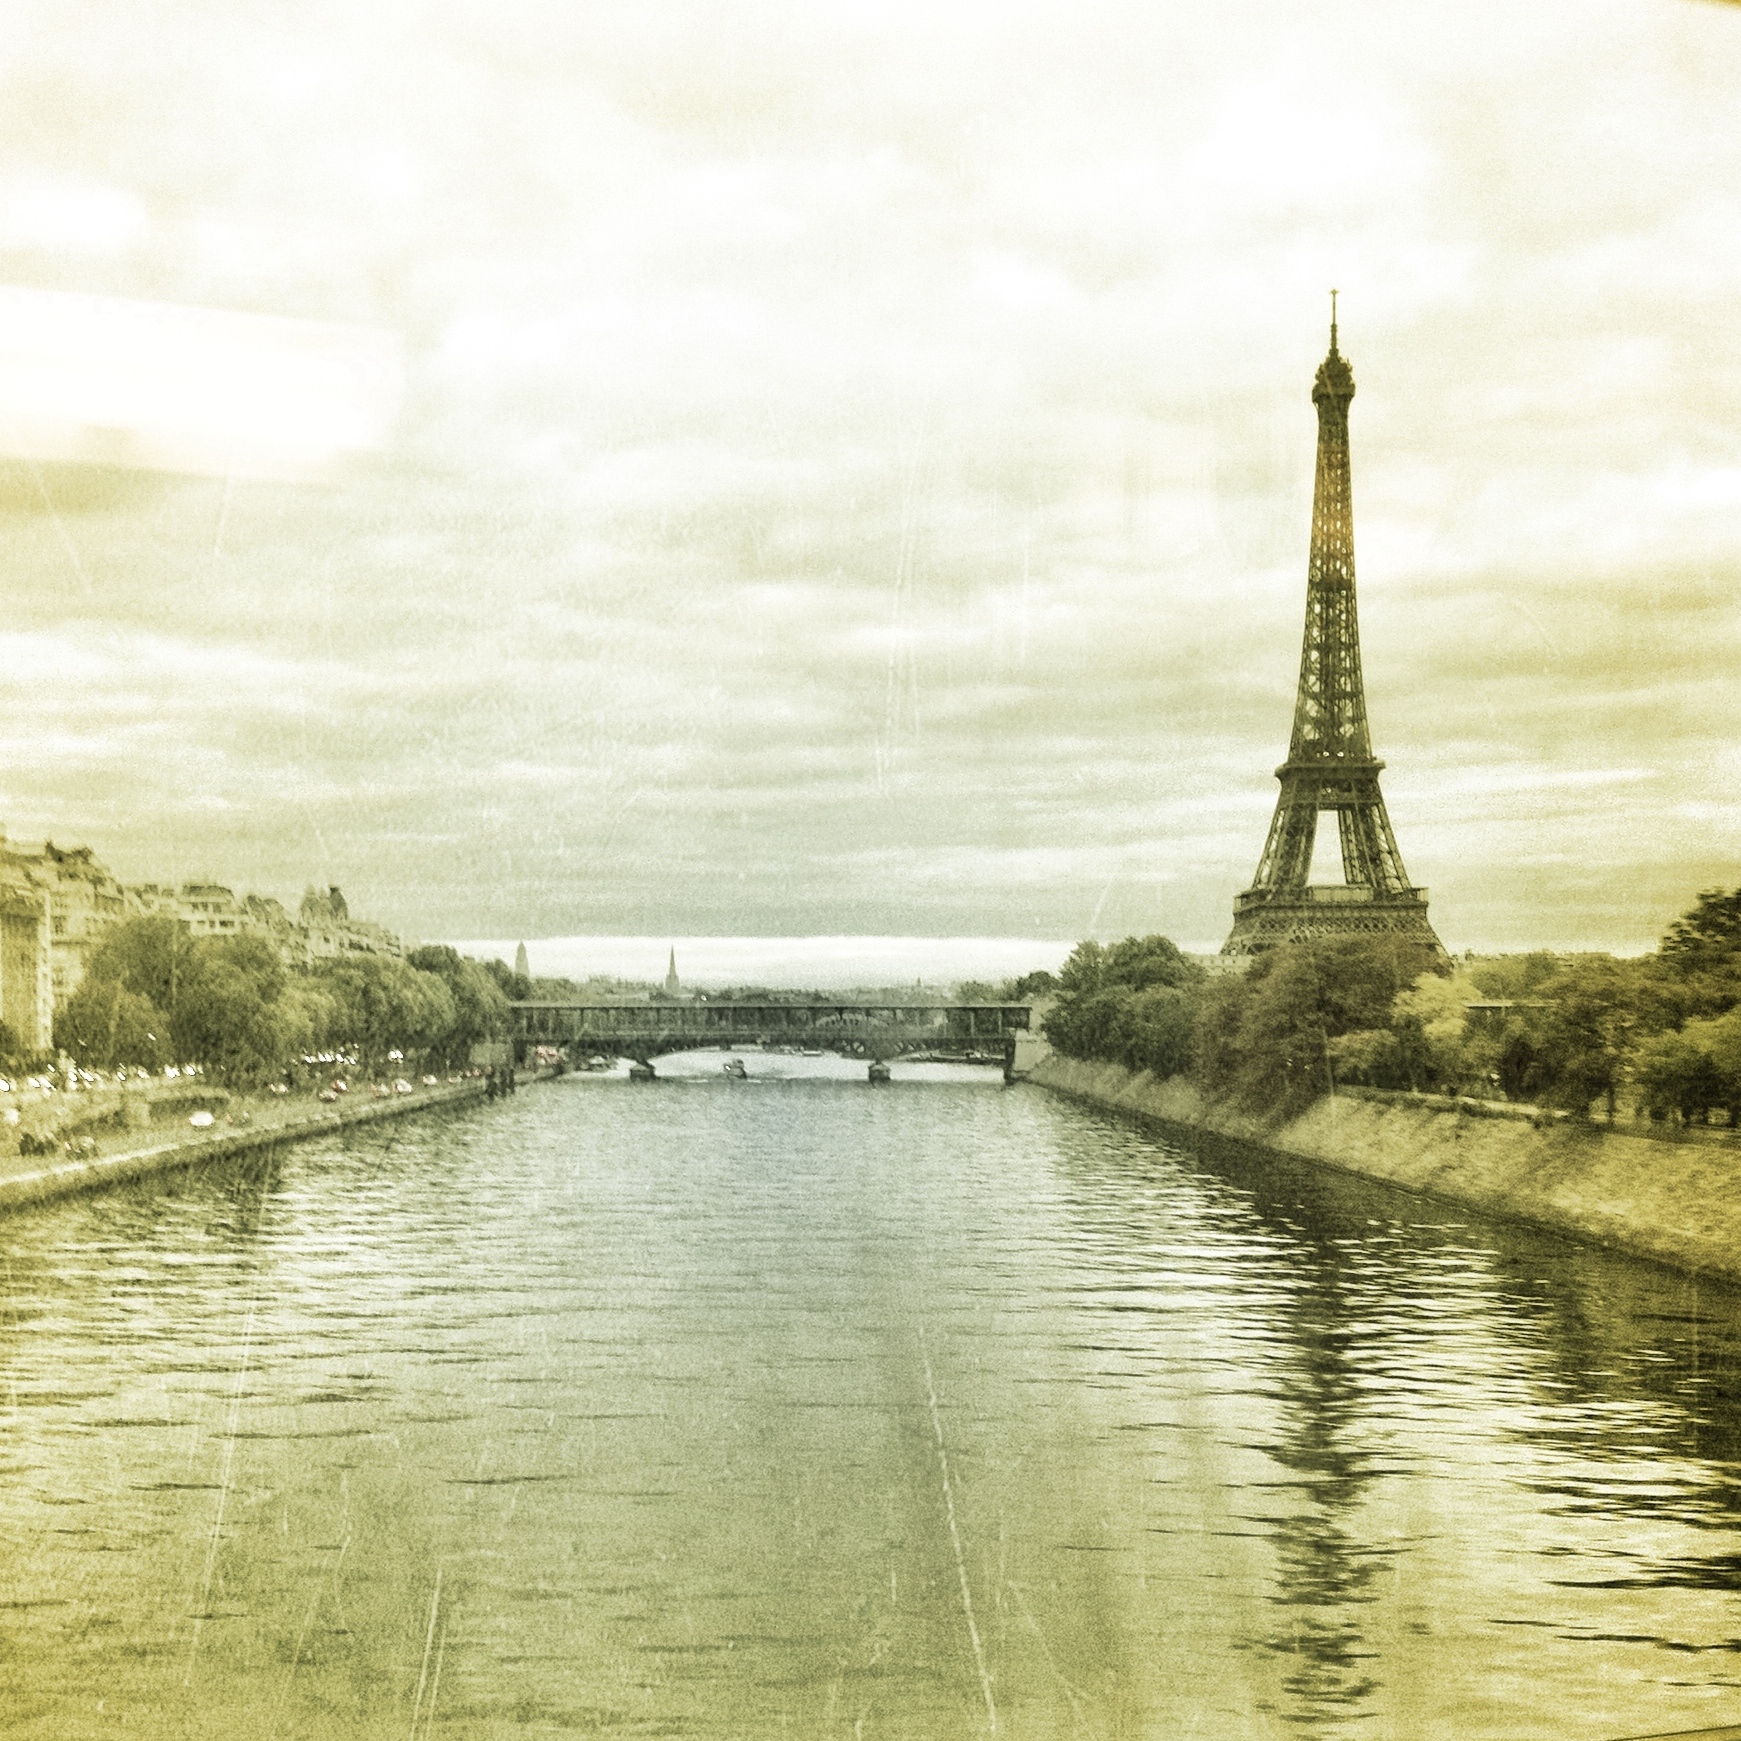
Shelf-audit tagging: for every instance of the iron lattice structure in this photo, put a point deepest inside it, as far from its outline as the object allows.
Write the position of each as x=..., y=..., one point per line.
x=1330, y=765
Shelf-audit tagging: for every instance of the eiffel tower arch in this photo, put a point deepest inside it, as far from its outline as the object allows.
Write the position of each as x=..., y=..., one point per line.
x=1330, y=767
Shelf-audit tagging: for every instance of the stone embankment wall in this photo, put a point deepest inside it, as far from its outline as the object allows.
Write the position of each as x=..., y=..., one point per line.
x=1676, y=1203
x=25, y=1180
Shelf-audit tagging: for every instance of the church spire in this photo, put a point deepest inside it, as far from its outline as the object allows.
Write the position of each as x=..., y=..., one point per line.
x=672, y=983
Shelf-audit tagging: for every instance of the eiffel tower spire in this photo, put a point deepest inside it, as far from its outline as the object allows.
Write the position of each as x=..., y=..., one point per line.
x=1330, y=765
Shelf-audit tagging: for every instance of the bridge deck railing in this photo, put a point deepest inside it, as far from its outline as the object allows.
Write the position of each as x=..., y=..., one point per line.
x=556, y=1019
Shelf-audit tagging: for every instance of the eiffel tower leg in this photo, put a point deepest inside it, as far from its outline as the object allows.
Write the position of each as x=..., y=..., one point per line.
x=1369, y=851
x=1293, y=830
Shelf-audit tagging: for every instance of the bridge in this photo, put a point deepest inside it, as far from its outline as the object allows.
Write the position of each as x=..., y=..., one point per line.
x=643, y=1031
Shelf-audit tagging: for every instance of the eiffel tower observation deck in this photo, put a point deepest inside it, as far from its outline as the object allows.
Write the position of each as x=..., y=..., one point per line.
x=1330, y=769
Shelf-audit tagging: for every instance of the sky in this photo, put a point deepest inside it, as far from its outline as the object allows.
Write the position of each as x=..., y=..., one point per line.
x=757, y=470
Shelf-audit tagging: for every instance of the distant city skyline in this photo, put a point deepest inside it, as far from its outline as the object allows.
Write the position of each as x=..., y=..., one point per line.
x=781, y=963
x=873, y=504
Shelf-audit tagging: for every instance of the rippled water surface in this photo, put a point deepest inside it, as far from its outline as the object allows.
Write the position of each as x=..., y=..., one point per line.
x=806, y=1408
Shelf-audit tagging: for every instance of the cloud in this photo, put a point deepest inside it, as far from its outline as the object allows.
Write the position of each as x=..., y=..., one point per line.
x=833, y=504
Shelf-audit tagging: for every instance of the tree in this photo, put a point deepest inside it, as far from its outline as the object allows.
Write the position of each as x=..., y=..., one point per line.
x=515, y=987
x=1518, y=1063
x=1514, y=978
x=1216, y=1054
x=1676, y=1073
x=1582, y=1035
x=1435, y=1008
x=12, y=1052
x=1708, y=934
x=1371, y=1056
x=1086, y=1025
x=227, y=1015
x=149, y=956
x=1105, y=1009
x=480, y=1006
x=1153, y=1030
x=382, y=1005
x=1266, y=1042
x=1283, y=1061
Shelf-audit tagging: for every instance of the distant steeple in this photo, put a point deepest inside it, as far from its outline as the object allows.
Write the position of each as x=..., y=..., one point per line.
x=521, y=966
x=672, y=984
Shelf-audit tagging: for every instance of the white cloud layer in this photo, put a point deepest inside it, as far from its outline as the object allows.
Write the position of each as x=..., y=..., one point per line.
x=855, y=463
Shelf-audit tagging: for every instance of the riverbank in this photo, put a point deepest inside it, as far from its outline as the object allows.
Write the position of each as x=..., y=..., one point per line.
x=1675, y=1203
x=25, y=1179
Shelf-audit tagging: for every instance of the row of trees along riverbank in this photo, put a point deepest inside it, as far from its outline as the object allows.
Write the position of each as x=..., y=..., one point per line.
x=153, y=995
x=1656, y=1036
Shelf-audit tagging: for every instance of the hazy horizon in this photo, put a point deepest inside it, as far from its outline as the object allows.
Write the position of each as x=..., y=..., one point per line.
x=782, y=963
x=819, y=963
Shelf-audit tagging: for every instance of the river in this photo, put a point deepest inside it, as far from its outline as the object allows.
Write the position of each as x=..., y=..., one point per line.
x=803, y=1407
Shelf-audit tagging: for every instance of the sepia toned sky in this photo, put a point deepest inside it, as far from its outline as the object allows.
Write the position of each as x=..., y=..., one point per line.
x=852, y=466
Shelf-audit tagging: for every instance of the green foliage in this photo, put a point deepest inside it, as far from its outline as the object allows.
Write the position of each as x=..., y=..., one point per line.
x=1373, y=1056
x=153, y=995
x=1153, y=1031
x=1022, y=990
x=1215, y=1045
x=1133, y=1003
x=1435, y=1042
x=1514, y=977
x=226, y=1014
x=1281, y=1060
x=1581, y=1037
x=1570, y=1031
x=1135, y=963
x=148, y=956
x=106, y=1024
x=479, y=1004
x=1272, y=1040
x=514, y=987
x=1708, y=934
x=382, y=1004
x=1517, y=1064
x=1676, y=1074
x=1693, y=1072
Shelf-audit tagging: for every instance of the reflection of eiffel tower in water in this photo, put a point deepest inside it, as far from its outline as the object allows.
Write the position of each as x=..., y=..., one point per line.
x=1330, y=765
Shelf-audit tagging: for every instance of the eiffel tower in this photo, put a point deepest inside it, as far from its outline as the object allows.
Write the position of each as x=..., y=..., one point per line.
x=1330, y=765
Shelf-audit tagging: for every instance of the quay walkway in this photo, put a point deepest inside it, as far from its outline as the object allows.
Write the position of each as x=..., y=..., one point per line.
x=26, y=1179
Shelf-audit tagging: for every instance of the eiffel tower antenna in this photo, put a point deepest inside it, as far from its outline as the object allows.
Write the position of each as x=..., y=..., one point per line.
x=1330, y=766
